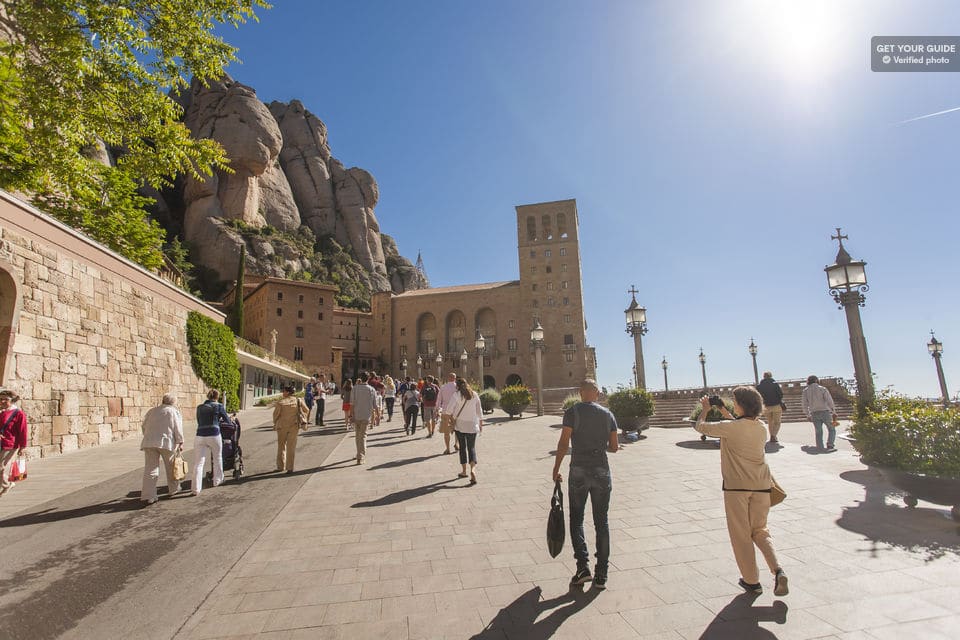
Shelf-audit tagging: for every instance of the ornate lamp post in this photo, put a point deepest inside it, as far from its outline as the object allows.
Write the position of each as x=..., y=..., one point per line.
x=935, y=347
x=847, y=281
x=637, y=327
x=419, y=367
x=463, y=364
x=439, y=366
x=403, y=367
x=538, y=345
x=664, y=364
x=703, y=366
x=752, y=348
x=480, y=345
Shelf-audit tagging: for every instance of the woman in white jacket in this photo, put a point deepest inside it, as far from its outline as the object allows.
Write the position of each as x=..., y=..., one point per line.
x=468, y=422
x=162, y=437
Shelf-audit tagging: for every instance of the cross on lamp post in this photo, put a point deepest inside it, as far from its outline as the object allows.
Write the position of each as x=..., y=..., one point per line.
x=703, y=366
x=637, y=327
x=480, y=345
x=752, y=348
x=935, y=347
x=847, y=282
x=538, y=345
x=663, y=363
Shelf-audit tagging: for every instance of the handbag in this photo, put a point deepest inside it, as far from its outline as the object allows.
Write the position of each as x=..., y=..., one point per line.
x=777, y=494
x=18, y=469
x=179, y=467
x=556, y=523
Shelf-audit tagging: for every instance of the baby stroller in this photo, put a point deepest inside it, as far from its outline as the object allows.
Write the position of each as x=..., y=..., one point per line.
x=232, y=453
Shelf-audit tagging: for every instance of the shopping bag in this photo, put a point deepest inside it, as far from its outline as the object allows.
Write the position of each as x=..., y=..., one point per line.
x=18, y=469
x=777, y=494
x=179, y=467
x=556, y=523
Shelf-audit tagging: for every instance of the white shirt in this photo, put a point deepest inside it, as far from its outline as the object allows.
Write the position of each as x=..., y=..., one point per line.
x=445, y=399
x=162, y=428
x=468, y=420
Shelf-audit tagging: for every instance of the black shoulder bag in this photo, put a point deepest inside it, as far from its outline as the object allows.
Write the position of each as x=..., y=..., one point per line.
x=556, y=523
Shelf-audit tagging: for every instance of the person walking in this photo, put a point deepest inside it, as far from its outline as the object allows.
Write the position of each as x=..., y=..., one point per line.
x=289, y=418
x=818, y=406
x=772, y=396
x=320, y=398
x=208, y=443
x=364, y=404
x=345, y=391
x=162, y=430
x=592, y=431
x=308, y=391
x=445, y=400
x=468, y=417
x=429, y=396
x=378, y=386
x=746, y=486
x=389, y=395
x=411, y=408
x=13, y=436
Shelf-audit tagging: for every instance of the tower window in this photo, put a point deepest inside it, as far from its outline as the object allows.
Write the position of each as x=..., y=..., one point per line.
x=321, y=301
x=298, y=353
x=533, y=287
x=563, y=267
x=547, y=253
x=531, y=228
x=403, y=331
x=566, y=301
x=563, y=285
x=563, y=251
x=300, y=298
x=279, y=312
x=549, y=269
x=536, y=303
x=299, y=332
x=300, y=313
x=568, y=338
x=279, y=296
x=533, y=269
x=533, y=254
x=509, y=324
x=566, y=319
x=511, y=344
x=320, y=316
x=549, y=286
x=568, y=356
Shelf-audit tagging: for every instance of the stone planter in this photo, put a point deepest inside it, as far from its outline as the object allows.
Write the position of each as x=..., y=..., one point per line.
x=514, y=409
x=943, y=491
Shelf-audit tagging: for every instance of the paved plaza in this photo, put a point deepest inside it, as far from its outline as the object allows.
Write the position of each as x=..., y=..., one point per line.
x=402, y=548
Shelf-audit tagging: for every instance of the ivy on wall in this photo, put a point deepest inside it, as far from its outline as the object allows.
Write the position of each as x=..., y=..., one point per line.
x=213, y=356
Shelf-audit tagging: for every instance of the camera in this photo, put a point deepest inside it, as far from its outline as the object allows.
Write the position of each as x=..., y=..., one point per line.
x=715, y=401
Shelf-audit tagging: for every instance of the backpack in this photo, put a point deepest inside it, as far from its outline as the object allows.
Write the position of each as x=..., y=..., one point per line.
x=429, y=393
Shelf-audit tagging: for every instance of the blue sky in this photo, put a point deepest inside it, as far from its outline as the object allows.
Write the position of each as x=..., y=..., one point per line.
x=712, y=147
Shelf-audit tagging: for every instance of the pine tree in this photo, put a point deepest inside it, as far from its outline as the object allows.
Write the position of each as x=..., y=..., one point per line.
x=236, y=314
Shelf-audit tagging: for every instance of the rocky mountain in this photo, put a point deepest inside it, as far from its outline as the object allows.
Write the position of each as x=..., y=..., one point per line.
x=297, y=209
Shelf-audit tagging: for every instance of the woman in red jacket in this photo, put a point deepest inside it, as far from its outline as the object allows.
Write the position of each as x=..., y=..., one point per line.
x=13, y=435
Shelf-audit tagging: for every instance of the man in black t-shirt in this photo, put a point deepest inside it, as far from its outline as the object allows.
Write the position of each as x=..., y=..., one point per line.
x=593, y=431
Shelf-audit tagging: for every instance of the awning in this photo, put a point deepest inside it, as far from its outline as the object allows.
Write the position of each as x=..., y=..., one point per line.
x=254, y=361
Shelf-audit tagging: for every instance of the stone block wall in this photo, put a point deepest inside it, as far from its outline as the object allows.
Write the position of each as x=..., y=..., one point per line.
x=93, y=340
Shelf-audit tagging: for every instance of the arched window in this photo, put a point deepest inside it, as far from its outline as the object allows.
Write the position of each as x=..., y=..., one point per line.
x=9, y=314
x=486, y=323
x=547, y=230
x=531, y=228
x=562, y=225
x=456, y=331
x=427, y=334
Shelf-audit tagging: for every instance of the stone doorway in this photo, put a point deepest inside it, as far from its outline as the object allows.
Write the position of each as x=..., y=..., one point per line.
x=9, y=312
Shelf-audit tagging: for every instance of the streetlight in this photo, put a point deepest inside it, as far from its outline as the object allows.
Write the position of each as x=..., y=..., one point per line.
x=847, y=281
x=537, y=343
x=663, y=363
x=480, y=344
x=703, y=366
x=935, y=347
x=637, y=327
x=439, y=366
x=403, y=367
x=463, y=363
x=752, y=348
x=419, y=367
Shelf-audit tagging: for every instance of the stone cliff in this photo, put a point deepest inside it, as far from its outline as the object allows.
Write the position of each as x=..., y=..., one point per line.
x=298, y=210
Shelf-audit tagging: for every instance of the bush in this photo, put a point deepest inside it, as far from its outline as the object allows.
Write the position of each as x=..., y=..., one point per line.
x=910, y=435
x=714, y=414
x=515, y=399
x=214, y=357
x=489, y=399
x=629, y=405
x=571, y=400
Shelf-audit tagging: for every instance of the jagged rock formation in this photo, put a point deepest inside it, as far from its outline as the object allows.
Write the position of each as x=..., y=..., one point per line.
x=285, y=177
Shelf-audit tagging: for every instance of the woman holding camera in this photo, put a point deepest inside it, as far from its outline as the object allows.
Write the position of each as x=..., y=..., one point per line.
x=746, y=484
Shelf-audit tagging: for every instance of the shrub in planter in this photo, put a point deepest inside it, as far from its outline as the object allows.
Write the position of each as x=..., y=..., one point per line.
x=571, y=400
x=910, y=435
x=714, y=414
x=515, y=399
x=489, y=399
x=630, y=407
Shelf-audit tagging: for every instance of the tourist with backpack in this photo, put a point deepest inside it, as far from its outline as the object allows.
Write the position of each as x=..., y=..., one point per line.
x=411, y=408
x=429, y=395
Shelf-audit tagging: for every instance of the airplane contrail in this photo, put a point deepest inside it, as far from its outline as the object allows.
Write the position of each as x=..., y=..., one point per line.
x=929, y=115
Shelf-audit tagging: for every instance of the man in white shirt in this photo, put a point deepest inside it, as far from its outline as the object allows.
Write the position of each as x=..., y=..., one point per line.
x=818, y=405
x=363, y=399
x=445, y=402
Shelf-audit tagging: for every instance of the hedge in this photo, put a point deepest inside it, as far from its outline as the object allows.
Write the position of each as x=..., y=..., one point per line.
x=213, y=356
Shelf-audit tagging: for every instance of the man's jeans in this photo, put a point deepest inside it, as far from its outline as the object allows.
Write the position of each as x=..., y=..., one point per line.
x=597, y=483
x=821, y=418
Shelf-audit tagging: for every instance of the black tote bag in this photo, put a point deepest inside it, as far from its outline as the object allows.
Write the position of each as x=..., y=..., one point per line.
x=556, y=523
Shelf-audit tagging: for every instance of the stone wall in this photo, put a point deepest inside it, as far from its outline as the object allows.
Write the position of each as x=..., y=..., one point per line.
x=90, y=340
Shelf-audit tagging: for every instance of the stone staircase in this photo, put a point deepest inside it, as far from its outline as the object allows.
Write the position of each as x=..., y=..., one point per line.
x=675, y=405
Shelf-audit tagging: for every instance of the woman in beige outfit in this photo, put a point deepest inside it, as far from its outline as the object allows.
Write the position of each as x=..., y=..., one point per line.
x=162, y=438
x=746, y=485
x=289, y=417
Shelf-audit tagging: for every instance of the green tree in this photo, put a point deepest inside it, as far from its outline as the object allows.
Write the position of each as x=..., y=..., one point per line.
x=82, y=75
x=236, y=313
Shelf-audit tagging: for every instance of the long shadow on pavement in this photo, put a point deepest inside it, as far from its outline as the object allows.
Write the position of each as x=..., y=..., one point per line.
x=740, y=619
x=406, y=494
x=925, y=530
x=56, y=515
x=404, y=462
x=711, y=445
x=519, y=618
